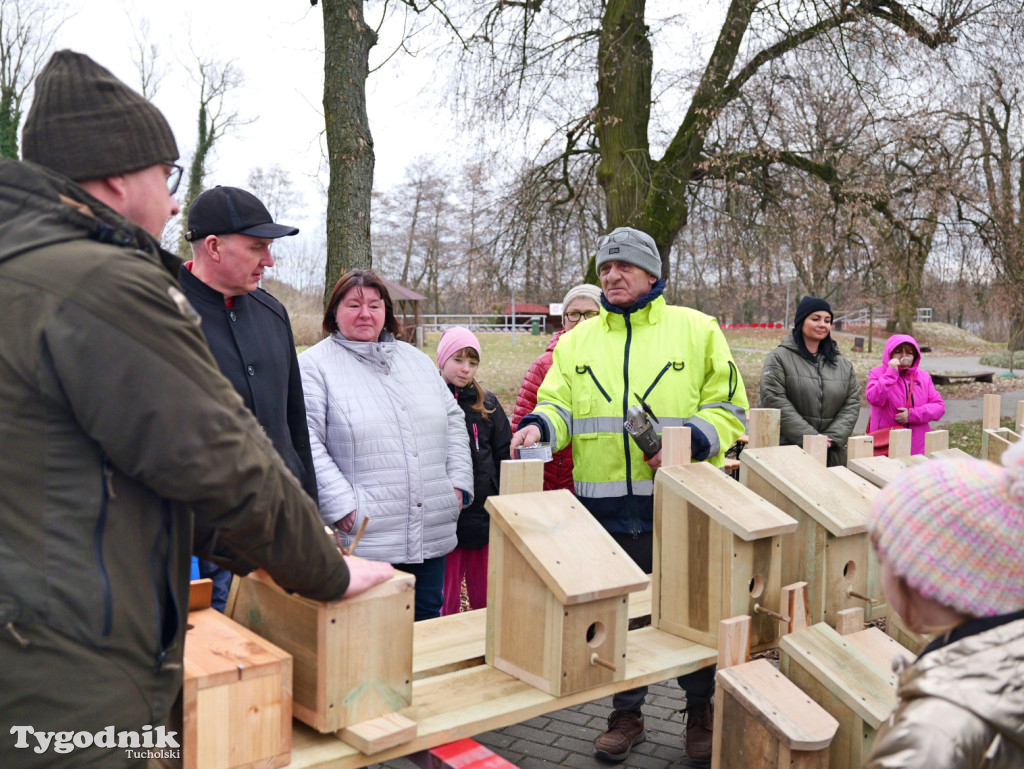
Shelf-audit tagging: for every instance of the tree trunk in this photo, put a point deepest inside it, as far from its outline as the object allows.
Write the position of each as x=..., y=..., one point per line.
x=347, y=43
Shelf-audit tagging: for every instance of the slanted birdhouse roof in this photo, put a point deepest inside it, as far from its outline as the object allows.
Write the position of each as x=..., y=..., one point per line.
x=571, y=552
x=824, y=496
x=726, y=502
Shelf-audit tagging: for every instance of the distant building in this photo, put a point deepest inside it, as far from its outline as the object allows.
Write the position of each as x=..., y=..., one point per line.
x=550, y=315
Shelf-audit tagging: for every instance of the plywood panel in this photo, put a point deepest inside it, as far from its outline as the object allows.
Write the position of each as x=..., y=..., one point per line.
x=594, y=628
x=560, y=539
x=846, y=565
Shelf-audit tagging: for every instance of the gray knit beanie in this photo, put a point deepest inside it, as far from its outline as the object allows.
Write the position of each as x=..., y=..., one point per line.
x=624, y=244
x=87, y=124
x=586, y=291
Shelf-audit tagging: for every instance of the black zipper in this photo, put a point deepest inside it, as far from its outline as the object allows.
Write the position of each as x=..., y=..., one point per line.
x=166, y=606
x=657, y=379
x=634, y=519
x=733, y=384
x=106, y=472
x=588, y=370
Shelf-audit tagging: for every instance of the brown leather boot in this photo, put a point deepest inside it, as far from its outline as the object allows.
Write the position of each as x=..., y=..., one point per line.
x=699, y=722
x=625, y=730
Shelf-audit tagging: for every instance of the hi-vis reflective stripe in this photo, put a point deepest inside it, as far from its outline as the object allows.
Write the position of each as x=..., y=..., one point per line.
x=709, y=432
x=585, y=425
x=564, y=413
x=732, y=408
x=613, y=489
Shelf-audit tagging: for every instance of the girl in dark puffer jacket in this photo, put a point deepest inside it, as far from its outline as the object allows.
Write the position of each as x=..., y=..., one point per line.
x=458, y=357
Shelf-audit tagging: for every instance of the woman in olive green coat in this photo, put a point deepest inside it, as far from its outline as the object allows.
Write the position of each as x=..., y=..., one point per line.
x=811, y=384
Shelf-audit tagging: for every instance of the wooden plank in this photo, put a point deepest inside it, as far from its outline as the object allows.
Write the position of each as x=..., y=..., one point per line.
x=935, y=440
x=779, y=705
x=200, y=594
x=675, y=446
x=860, y=446
x=561, y=540
x=899, y=443
x=995, y=442
x=877, y=647
x=794, y=606
x=733, y=641
x=753, y=580
x=520, y=476
x=219, y=651
x=951, y=454
x=481, y=699
x=762, y=428
x=726, y=502
x=879, y=470
x=817, y=447
x=846, y=572
x=379, y=733
x=911, y=460
x=862, y=486
x=850, y=621
x=1019, y=421
x=844, y=671
x=991, y=405
x=818, y=492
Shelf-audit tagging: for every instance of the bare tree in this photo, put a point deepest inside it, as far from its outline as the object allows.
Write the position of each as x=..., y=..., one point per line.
x=216, y=80
x=146, y=57
x=27, y=29
x=273, y=186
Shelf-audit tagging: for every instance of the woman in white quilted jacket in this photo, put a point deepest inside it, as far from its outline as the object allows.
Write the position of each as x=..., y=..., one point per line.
x=389, y=441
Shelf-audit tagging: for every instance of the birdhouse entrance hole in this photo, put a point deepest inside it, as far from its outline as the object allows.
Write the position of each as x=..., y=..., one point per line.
x=756, y=586
x=596, y=634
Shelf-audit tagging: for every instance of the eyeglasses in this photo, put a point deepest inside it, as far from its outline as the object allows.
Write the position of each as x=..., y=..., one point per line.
x=576, y=317
x=173, y=177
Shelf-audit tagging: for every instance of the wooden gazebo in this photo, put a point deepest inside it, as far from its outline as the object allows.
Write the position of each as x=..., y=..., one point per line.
x=406, y=302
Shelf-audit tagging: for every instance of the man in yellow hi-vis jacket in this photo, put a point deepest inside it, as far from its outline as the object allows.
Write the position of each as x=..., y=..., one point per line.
x=678, y=361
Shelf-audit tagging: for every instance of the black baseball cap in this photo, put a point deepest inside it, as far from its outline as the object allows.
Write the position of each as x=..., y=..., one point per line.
x=229, y=210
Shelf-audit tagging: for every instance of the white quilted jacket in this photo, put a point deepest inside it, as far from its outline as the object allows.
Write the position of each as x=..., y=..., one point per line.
x=389, y=441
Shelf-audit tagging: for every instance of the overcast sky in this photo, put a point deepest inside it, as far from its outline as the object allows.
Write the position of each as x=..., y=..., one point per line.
x=278, y=47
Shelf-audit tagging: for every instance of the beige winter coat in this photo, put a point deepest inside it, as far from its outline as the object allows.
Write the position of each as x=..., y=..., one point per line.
x=961, y=706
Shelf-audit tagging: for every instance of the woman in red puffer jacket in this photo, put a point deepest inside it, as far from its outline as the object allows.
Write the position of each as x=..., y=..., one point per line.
x=580, y=303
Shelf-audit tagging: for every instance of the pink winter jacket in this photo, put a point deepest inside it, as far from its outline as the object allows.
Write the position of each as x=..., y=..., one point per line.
x=887, y=392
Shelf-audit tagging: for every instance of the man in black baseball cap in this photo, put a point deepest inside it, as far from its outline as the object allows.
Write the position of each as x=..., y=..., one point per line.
x=247, y=329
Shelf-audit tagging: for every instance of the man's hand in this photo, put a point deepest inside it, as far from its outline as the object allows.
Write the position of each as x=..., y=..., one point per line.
x=902, y=416
x=655, y=462
x=528, y=436
x=365, y=574
x=346, y=523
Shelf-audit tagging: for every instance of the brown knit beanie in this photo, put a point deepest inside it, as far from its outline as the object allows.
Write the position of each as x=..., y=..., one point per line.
x=87, y=124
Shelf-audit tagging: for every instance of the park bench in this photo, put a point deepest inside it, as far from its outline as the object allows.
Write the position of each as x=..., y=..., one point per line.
x=976, y=376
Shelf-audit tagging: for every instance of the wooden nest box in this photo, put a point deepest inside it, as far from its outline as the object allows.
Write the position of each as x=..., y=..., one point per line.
x=557, y=593
x=717, y=555
x=353, y=657
x=829, y=549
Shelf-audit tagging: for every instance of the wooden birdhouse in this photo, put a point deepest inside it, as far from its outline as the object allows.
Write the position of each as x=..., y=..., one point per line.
x=846, y=677
x=829, y=549
x=557, y=593
x=237, y=697
x=717, y=555
x=353, y=657
x=879, y=470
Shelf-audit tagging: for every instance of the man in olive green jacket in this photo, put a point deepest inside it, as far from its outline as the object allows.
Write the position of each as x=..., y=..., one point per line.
x=122, y=444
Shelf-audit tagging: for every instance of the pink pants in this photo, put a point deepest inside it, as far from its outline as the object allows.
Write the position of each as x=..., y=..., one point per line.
x=471, y=564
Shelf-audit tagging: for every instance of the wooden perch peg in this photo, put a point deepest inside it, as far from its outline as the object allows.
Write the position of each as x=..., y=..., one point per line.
x=359, y=535
x=595, y=660
x=759, y=609
x=854, y=594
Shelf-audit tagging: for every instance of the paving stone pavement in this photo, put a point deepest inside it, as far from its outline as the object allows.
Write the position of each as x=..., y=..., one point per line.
x=565, y=738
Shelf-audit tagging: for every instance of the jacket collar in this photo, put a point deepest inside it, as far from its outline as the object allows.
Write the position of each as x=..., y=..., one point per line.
x=207, y=293
x=648, y=309
x=39, y=207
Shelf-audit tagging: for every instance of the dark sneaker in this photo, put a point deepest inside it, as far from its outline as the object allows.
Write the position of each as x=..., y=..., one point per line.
x=625, y=730
x=699, y=721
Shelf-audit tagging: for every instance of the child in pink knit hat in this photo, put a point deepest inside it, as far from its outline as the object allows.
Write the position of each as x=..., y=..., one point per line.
x=950, y=538
x=489, y=433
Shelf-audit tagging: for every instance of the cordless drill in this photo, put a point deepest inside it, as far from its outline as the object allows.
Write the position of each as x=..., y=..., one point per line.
x=642, y=430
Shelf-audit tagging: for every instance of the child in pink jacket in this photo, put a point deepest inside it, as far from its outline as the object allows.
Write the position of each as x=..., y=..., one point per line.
x=901, y=394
